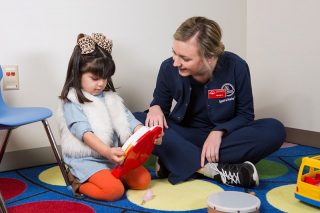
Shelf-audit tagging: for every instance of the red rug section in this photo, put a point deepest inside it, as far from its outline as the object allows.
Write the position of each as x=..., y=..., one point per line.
x=11, y=187
x=52, y=207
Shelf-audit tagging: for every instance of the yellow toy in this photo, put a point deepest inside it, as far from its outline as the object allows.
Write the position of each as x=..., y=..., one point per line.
x=308, y=181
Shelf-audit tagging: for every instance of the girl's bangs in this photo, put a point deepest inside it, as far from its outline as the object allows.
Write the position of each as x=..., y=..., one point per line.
x=101, y=67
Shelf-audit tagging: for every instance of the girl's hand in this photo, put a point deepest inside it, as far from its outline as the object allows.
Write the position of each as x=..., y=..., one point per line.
x=210, y=149
x=155, y=117
x=115, y=154
x=137, y=128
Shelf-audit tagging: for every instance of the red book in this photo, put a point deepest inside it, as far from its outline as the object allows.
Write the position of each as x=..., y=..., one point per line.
x=137, y=149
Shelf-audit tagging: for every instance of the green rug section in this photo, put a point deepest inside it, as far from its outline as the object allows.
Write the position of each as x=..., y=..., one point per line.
x=268, y=169
x=299, y=160
x=150, y=163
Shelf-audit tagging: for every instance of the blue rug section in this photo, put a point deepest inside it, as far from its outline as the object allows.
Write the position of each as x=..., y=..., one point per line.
x=285, y=159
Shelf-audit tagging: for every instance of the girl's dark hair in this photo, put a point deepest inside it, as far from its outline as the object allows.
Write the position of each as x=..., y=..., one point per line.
x=99, y=63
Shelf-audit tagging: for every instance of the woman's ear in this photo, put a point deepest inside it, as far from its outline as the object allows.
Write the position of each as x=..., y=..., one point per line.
x=211, y=60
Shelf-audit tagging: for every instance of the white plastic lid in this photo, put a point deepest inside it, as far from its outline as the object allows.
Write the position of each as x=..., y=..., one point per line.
x=233, y=201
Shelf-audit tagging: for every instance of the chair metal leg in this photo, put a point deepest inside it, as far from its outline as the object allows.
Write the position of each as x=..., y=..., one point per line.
x=56, y=152
x=2, y=205
x=4, y=145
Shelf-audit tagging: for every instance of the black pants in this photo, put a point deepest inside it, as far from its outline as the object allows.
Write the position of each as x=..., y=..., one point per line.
x=181, y=148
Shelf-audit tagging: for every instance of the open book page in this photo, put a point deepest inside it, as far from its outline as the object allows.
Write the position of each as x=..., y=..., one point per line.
x=133, y=139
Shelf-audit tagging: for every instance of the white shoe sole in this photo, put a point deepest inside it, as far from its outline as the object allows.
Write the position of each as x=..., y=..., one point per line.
x=255, y=173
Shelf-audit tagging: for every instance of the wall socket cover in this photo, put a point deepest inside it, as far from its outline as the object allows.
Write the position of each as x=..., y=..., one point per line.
x=10, y=77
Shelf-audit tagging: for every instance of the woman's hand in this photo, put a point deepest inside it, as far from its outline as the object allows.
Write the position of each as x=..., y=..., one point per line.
x=155, y=117
x=158, y=140
x=210, y=149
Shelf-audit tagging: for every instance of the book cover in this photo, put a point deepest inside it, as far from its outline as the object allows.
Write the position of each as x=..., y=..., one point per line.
x=137, y=149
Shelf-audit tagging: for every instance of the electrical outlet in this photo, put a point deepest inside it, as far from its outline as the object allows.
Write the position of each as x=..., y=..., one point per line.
x=10, y=77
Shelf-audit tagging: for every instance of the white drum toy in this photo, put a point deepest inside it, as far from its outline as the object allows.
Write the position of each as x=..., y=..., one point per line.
x=232, y=201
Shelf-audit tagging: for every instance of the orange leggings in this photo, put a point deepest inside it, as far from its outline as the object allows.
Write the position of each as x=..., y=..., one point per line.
x=104, y=186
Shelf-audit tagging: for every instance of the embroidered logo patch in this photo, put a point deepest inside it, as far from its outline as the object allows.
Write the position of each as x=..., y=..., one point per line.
x=229, y=88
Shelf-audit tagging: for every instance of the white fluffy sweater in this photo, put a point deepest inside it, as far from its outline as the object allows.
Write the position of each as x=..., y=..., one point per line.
x=104, y=118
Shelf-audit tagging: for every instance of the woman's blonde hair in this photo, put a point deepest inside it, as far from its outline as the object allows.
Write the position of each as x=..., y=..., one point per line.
x=208, y=35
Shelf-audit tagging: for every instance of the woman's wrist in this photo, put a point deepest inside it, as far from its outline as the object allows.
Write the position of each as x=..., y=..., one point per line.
x=217, y=132
x=154, y=107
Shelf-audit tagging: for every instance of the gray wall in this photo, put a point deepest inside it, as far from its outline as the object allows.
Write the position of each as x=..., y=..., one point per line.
x=279, y=39
x=39, y=36
x=283, y=50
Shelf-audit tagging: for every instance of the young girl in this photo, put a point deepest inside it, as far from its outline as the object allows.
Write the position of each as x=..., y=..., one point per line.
x=94, y=122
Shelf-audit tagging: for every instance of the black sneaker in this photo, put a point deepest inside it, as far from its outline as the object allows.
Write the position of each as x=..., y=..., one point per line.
x=244, y=174
x=160, y=170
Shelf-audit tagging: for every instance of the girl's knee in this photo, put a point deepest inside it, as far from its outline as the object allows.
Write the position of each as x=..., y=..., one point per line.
x=114, y=193
x=142, y=181
x=103, y=186
x=138, y=178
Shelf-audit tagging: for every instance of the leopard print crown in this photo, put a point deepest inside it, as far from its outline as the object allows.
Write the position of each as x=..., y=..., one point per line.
x=87, y=43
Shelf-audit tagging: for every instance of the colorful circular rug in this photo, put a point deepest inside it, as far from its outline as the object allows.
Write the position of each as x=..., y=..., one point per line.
x=42, y=189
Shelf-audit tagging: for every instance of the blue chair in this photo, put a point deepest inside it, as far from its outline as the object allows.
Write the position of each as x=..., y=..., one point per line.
x=13, y=117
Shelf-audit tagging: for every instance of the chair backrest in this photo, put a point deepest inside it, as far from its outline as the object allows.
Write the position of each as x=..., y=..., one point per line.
x=1, y=99
x=0, y=73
